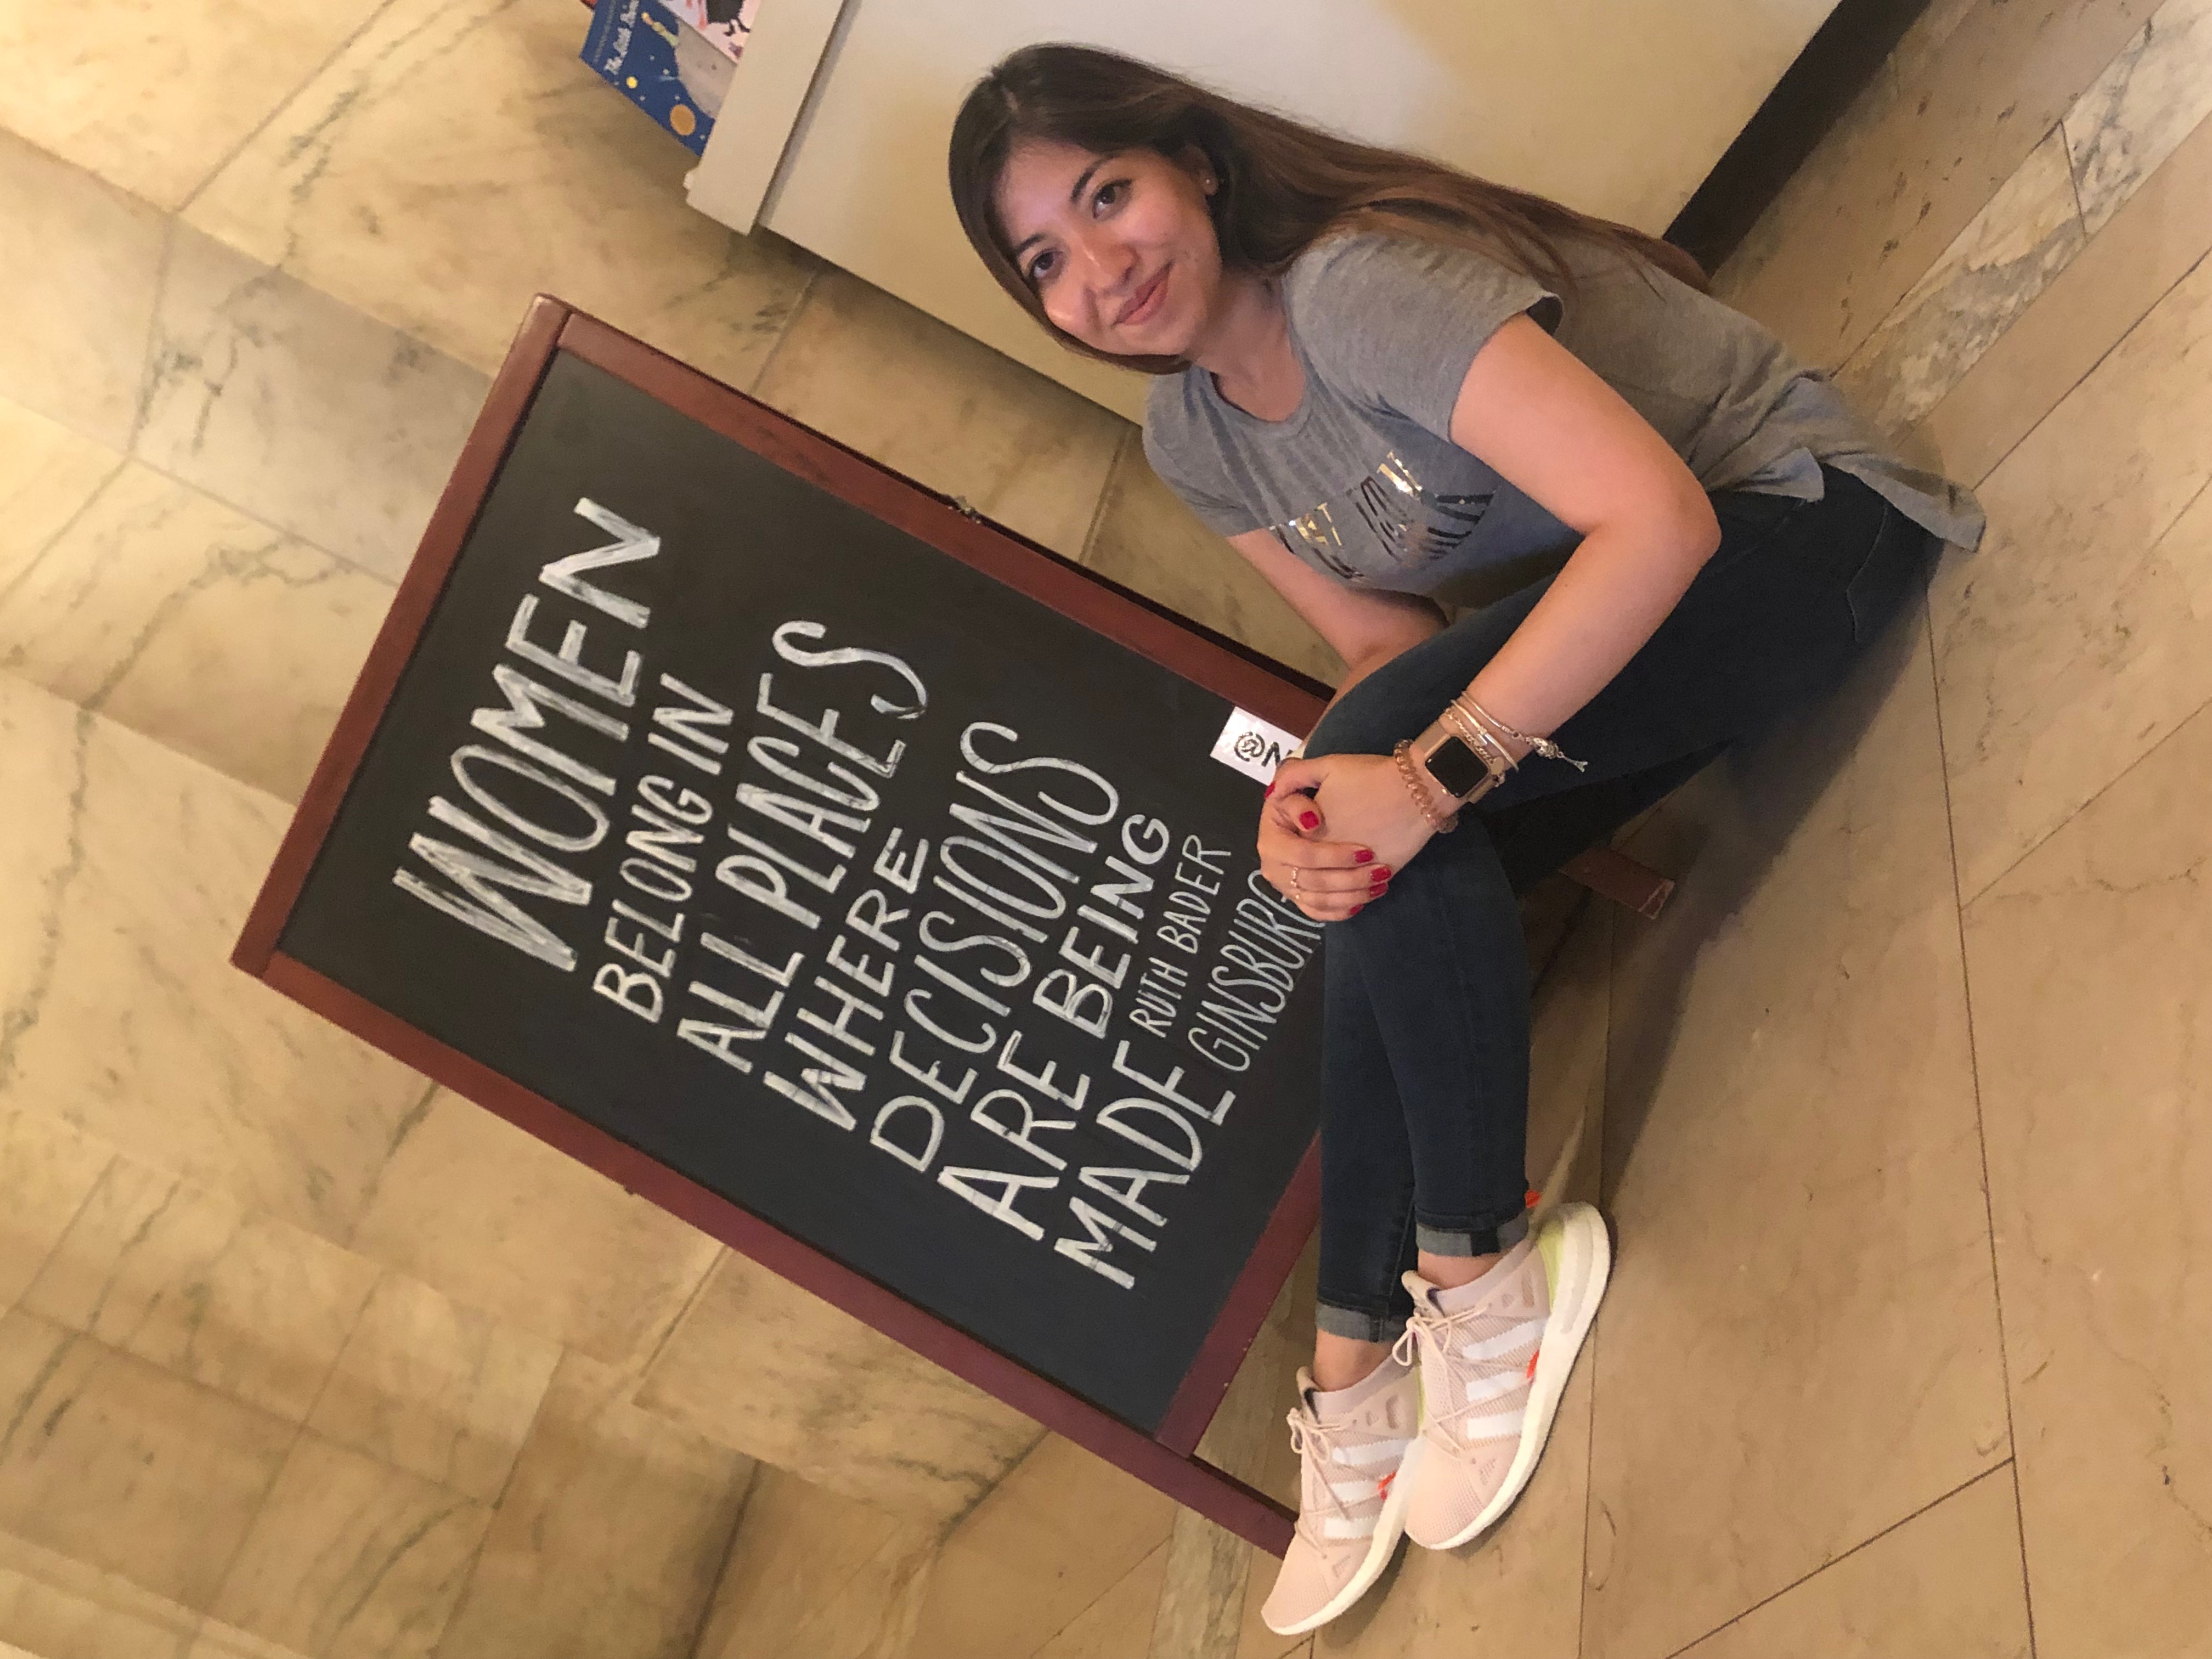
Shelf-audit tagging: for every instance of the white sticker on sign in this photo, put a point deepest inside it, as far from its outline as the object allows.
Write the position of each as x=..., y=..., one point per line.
x=1252, y=746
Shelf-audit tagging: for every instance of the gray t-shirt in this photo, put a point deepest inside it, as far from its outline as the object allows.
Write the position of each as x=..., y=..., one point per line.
x=1362, y=482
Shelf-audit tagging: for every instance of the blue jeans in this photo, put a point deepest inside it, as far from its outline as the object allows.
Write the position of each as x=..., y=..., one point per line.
x=1425, y=1009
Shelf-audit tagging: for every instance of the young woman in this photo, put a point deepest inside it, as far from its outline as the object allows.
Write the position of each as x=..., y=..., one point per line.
x=1389, y=385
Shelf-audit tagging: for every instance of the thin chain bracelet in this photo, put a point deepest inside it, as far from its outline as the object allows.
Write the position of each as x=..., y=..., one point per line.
x=1543, y=746
x=1403, y=754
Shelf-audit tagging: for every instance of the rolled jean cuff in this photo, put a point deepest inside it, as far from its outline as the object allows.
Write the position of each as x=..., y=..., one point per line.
x=1482, y=1239
x=1356, y=1327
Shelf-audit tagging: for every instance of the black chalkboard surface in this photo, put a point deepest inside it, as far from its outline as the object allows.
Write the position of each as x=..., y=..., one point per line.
x=847, y=880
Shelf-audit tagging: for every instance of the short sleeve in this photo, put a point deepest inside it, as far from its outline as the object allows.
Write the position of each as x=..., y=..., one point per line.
x=1394, y=322
x=1177, y=456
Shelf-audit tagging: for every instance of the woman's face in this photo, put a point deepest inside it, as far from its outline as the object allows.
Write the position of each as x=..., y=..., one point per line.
x=1120, y=248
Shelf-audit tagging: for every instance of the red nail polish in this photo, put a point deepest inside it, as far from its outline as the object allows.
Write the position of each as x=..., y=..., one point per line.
x=1309, y=821
x=1356, y=908
x=1380, y=872
x=1271, y=789
x=1364, y=855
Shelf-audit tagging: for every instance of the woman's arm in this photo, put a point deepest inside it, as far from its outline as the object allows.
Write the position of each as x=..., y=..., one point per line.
x=1365, y=627
x=1550, y=427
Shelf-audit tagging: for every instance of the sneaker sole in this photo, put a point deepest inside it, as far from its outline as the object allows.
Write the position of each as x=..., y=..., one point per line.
x=1585, y=1262
x=1389, y=1527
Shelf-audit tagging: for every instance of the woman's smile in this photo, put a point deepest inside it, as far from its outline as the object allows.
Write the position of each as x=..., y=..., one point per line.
x=1144, y=303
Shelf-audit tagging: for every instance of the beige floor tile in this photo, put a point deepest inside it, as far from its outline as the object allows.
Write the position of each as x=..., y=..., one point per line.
x=47, y=473
x=2077, y=635
x=813, y=1572
x=610, y=1536
x=1946, y=1582
x=947, y=410
x=187, y=1280
x=152, y=97
x=2006, y=255
x=1516, y=1590
x=1837, y=250
x=1799, y=1345
x=125, y=873
x=1119, y=1624
x=1148, y=540
x=2141, y=108
x=56, y=1606
x=442, y=1391
x=1058, y=1533
x=124, y=1466
x=299, y=410
x=351, y=1558
x=906, y=1435
x=47, y=1170
x=2091, y=988
x=456, y=158
x=210, y=633
x=2148, y=246
x=1198, y=1611
x=497, y=1219
x=78, y=270
x=216, y=1640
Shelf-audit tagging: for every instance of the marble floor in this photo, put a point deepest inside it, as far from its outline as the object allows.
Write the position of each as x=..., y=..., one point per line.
x=1900, y=1113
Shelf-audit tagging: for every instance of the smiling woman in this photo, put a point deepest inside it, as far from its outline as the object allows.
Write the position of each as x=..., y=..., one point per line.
x=1383, y=381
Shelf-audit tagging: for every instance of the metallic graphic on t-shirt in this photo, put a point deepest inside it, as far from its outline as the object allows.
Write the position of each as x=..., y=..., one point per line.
x=1412, y=526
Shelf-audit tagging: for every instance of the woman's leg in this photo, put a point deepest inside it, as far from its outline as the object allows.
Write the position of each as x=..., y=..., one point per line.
x=1776, y=616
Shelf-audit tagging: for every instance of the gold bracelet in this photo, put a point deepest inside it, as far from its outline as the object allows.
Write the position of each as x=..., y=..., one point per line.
x=1403, y=754
x=1465, y=701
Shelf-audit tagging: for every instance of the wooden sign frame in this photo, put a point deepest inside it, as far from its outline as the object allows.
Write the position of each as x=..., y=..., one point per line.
x=1166, y=1459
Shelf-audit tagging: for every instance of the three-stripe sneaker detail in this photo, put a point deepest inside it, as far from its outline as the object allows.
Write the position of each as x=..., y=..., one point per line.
x=1493, y=1372
x=1354, y=1471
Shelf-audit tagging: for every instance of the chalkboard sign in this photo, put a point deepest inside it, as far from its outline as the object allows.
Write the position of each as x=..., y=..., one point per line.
x=865, y=885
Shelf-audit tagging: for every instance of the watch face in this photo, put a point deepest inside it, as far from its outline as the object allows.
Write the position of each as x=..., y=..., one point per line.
x=1458, y=767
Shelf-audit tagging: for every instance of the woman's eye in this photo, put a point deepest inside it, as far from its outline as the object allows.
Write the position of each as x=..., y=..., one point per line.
x=1109, y=193
x=1040, y=268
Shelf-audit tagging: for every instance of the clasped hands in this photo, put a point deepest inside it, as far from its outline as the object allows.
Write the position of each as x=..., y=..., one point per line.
x=1336, y=829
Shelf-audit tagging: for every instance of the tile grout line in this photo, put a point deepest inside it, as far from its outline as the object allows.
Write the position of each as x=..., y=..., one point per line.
x=799, y=310
x=298, y=1434
x=2105, y=788
x=278, y=108
x=2081, y=380
x=694, y=1648
x=142, y=403
x=1838, y=1560
x=1077, y=1615
x=1105, y=490
x=1981, y=1131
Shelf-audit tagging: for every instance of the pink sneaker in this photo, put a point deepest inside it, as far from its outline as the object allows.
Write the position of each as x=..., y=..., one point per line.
x=1493, y=1372
x=1354, y=1469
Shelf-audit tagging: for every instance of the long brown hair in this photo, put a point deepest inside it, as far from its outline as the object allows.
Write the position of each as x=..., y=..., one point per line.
x=1284, y=186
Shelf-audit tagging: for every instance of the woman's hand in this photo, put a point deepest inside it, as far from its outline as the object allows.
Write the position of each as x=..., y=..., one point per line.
x=1334, y=830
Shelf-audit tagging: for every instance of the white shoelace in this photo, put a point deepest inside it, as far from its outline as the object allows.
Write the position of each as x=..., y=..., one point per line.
x=1311, y=1437
x=1431, y=1330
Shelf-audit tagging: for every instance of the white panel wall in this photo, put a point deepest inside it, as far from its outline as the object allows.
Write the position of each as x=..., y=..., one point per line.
x=1620, y=107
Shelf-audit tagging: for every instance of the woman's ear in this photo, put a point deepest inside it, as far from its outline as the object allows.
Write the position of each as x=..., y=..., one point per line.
x=1195, y=161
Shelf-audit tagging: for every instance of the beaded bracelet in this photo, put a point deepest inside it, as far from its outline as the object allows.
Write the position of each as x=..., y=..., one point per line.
x=1403, y=756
